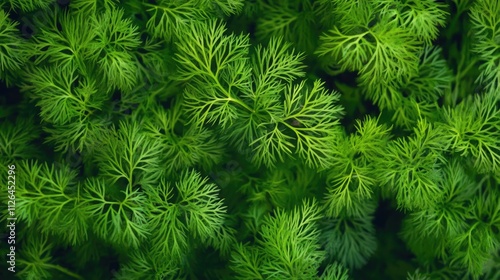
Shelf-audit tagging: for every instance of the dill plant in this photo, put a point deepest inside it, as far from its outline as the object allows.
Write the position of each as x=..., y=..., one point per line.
x=258, y=139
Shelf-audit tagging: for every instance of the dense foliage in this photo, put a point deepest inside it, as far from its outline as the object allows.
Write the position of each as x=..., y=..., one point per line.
x=232, y=139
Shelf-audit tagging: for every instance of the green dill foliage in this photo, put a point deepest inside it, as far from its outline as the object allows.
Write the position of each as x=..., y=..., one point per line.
x=46, y=199
x=182, y=148
x=472, y=130
x=429, y=230
x=411, y=167
x=167, y=19
x=13, y=52
x=10, y=57
x=231, y=139
x=353, y=177
x=294, y=233
x=350, y=238
x=127, y=154
x=291, y=20
x=224, y=91
x=417, y=276
x=28, y=5
x=485, y=15
x=16, y=140
x=384, y=41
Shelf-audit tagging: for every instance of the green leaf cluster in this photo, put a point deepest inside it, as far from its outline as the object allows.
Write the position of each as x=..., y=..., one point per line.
x=259, y=108
x=287, y=248
x=389, y=45
x=259, y=139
